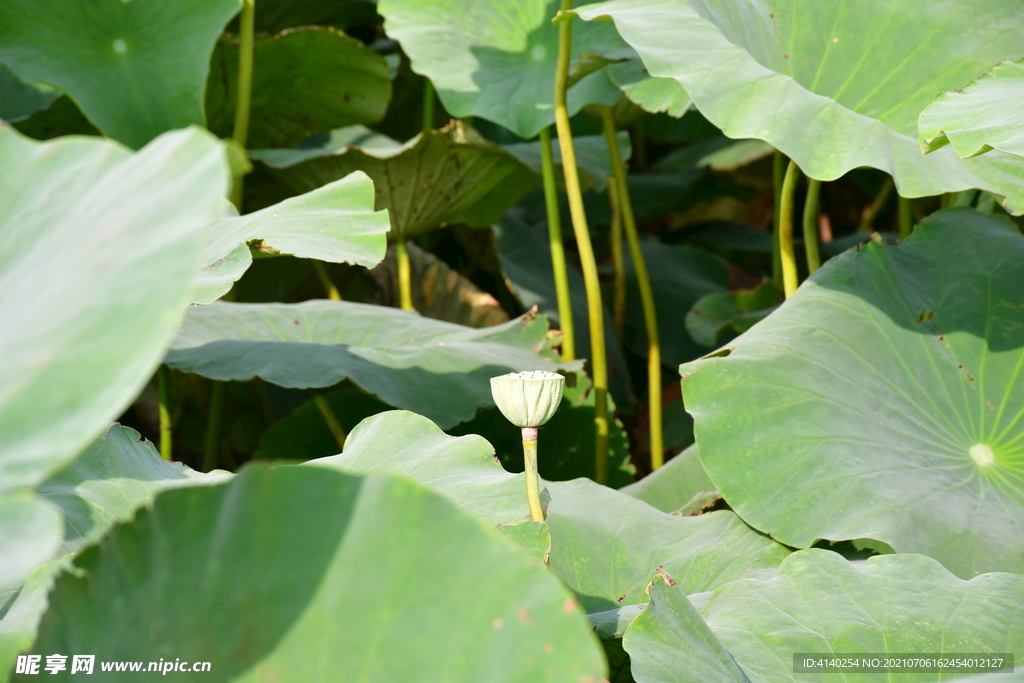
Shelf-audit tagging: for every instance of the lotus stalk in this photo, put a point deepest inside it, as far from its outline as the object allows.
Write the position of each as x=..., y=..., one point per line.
x=787, y=254
x=240, y=134
x=811, y=236
x=595, y=311
x=778, y=171
x=164, y=383
x=628, y=220
x=557, y=247
x=906, y=218
x=529, y=400
x=404, y=275
x=619, y=262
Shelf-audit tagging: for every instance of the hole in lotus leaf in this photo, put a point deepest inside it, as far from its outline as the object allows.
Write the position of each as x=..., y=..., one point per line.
x=982, y=455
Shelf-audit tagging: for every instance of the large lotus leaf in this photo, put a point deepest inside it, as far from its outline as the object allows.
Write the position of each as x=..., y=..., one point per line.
x=605, y=545
x=496, y=59
x=305, y=81
x=987, y=114
x=525, y=252
x=882, y=400
x=99, y=248
x=670, y=643
x=105, y=485
x=452, y=175
x=313, y=575
x=437, y=369
x=29, y=535
x=680, y=276
x=819, y=602
x=20, y=99
x=652, y=94
x=333, y=223
x=135, y=68
x=680, y=487
x=593, y=159
x=835, y=85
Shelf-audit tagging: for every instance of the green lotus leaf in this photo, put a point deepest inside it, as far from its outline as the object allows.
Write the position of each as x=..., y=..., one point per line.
x=592, y=158
x=100, y=247
x=441, y=176
x=333, y=223
x=881, y=400
x=20, y=99
x=670, y=643
x=680, y=487
x=115, y=476
x=30, y=535
x=819, y=602
x=496, y=60
x=987, y=114
x=719, y=316
x=833, y=86
x=680, y=276
x=652, y=94
x=305, y=81
x=265, y=575
x=438, y=369
x=136, y=69
x=605, y=545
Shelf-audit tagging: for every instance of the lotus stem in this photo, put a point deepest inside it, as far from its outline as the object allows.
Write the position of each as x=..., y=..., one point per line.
x=241, y=131
x=786, y=252
x=404, y=275
x=213, y=426
x=332, y=422
x=619, y=261
x=628, y=219
x=778, y=170
x=811, y=237
x=428, y=104
x=595, y=311
x=164, y=382
x=332, y=292
x=557, y=247
x=876, y=206
x=906, y=218
x=532, y=477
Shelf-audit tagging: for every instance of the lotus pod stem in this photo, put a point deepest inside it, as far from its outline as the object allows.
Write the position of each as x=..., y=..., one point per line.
x=404, y=275
x=532, y=477
x=595, y=311
x=240, y=133
x=164, y=382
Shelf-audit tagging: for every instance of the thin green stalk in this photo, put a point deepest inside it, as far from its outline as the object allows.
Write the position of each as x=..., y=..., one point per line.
x=404, y=275
x=213, y=426
x=778, y=169
x=786, y=252
x=428, y=104
x=646, y=292
x=332, y=292
x=164, y=381
x=619, y=261
x=948, y=200
x=595, y=312
x=332, y=422
x=876, y=206
x=242, y=106
x=557, y=247
x=811, y=236
x=906, y=218
x=532, y=477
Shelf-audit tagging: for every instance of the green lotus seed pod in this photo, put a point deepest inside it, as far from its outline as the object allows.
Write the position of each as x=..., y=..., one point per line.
x=528, y=399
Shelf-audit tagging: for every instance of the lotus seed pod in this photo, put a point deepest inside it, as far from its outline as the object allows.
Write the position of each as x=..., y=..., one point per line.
x=528, y=399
